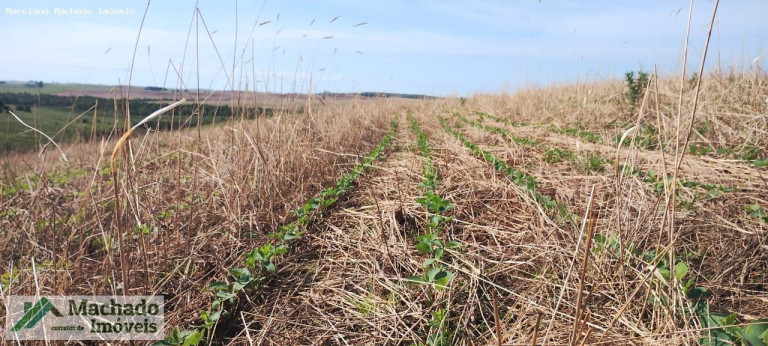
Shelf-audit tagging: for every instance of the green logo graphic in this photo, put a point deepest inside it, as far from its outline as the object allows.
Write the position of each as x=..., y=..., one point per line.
x=33, y=314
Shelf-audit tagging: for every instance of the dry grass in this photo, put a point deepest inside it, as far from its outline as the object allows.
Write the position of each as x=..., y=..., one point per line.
x=206, y=201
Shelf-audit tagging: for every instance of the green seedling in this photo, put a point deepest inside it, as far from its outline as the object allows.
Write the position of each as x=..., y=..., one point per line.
x=261, y=258
x=694, y=149
x=593, y=163
x=757, y=211
x=555, y=155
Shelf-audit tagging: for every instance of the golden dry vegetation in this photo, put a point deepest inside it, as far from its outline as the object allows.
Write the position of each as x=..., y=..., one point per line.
x=516, y=219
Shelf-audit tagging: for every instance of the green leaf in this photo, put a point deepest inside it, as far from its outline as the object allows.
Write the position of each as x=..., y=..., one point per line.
x=439, y=253
x=218, y=286
x=600, y=239
x=269, y=267
x=223, y=296
x=442, y=279
x=424, y=247
x=765, y=337
x=428, y=262
x=416, y=279
x=192, y=338
x=698, y=293
x=214, y=316
x=717, y=337
x=240, y=273
x=240, y=284
x=453, y=244
x=664, y=273
x=432, y=273
x=755, y=332
x=760, y=163
x=729, y=320
x=681, y=270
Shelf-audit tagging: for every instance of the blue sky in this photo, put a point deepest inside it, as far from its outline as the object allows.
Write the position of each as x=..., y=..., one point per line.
x=421, y=46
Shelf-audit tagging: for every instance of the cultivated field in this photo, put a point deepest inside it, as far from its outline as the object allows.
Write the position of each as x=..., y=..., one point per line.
x=549, y=216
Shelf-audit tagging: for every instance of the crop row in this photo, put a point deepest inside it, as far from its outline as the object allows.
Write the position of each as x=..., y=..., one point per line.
x=260, y=262
x=483, y=115
x=647, y=137
x=720, y=327
x=517, y=176
x=431, y=243
x=521, y=141
x=723, y=327
x=713, y=190
x=591, y=163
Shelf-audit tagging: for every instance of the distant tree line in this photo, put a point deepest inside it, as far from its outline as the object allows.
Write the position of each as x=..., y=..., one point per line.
x=154, y=88
x=140, y=107
x=4, y=107
x=405, y=96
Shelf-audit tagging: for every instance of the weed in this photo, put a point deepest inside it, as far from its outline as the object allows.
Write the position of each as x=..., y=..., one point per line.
x=635, y=86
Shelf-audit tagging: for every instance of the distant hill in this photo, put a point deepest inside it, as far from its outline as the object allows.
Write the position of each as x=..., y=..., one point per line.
x=156, y=92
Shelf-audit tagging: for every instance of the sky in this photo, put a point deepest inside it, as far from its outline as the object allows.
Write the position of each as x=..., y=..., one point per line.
x=436, y=47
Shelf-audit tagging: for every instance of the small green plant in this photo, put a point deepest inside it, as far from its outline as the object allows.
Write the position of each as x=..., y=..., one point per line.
x=704, y=127
x=181, y=338
x=593, y=163
x=434, y=203
x=694, y=149
x=438, y=322
x=757, y=211
x=712, y=189
x=657, y=183
x=365, y=306
x=260, y=259
x=724, y=151
x=555, y=155
x=751, y=153
x=573, y=132
x=648, y=138
x=693, y=79
x=755, y=155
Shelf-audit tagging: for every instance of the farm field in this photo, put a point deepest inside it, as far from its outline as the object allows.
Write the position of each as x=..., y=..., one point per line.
x=50, y=88
x=549, y=216
x=66, y=111
x=51, y=120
